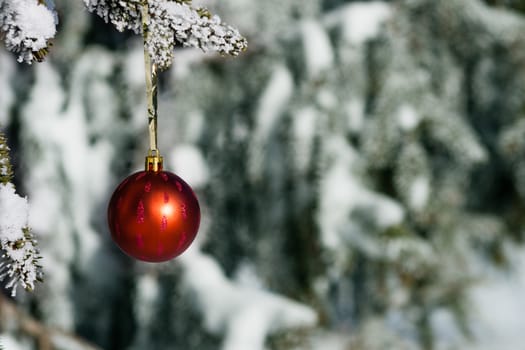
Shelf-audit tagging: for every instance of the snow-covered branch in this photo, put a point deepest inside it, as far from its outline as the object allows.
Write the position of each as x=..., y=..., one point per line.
x=171, y=23
x=20, y=258
x=27, y=26
x=247, y=314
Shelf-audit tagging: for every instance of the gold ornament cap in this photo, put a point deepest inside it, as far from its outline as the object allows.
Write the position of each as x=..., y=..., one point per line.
x=154, y=161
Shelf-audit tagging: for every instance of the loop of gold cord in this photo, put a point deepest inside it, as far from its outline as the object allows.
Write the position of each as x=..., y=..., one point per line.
x=153, y=160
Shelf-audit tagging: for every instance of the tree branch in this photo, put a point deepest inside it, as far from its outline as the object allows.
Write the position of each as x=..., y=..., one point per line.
x=47, y=338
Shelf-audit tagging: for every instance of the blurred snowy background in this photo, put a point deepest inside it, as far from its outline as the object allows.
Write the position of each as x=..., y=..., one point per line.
x=361, y=172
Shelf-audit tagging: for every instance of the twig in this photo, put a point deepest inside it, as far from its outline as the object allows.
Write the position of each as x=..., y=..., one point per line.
x=45, y=336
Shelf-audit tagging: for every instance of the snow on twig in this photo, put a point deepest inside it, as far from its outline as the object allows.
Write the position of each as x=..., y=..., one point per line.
x=171, y=23
x=27, y=26
x=20, y=258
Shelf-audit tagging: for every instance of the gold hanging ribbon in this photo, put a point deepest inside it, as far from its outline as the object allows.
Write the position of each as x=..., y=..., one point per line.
x=153, y=159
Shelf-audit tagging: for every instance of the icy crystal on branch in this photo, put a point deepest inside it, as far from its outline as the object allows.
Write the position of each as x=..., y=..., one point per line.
x=172, y=22
x=19, y=260
x=26, y=27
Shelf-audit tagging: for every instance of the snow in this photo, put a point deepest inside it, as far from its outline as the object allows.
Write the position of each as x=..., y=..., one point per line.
x=145, y=299
x=273, y=101
x=171, y=23
x=384, y=210
x=57, y=307
x=7, y=96
x=342, y=193
x=271, y=106
x=13, y=213
x=71, y=163
x=446, y=332
x=498, y=306
x=246, y=275
x=500, y=23
x=407, y=117
x=8, y=342
x=304, y=128
x=35, y=21
x=66, y=171
x=186, y=58
x=362, y=20
x=318, y=51
x=419, y=192
x=69, y=174
x=19, y=256
x=410, y=253
x=475, y=151
x=246, y=313
x=194, y=126
x=188, y=162
x=45, y=206
x=135, y=93
x=355, y=110
x=326, y=99
x=134, y=66
x=16, y=255
x=145, y=306
x=27, y=25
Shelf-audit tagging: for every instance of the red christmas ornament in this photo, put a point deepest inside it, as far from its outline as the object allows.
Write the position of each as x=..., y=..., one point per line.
x=153, y=215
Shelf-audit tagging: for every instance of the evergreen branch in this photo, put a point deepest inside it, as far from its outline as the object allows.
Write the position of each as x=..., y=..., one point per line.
x=27, y=26
x=6, y=170
x=174, y=22
x=20, y=258
x=171, y=22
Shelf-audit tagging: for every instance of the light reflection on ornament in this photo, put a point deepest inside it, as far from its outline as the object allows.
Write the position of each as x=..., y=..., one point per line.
x=167, y=209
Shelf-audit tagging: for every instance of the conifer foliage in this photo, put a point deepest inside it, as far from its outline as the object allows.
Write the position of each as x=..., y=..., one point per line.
x=28, y=26
x=20, y=257
x=171, y=22
x=362, y=173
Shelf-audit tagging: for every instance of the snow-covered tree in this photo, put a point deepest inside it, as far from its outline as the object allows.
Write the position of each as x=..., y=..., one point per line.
x=360, y=170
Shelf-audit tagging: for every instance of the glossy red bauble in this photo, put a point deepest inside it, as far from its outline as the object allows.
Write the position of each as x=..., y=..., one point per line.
x=153, y=216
